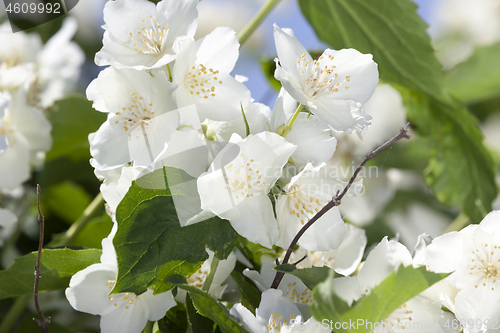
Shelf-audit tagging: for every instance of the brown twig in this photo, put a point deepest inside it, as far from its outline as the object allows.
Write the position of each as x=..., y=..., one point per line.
x=336, y=200
x=43, y=322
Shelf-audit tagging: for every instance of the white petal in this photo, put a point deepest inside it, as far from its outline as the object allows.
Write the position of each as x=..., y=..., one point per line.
x=252, y=324
x=292, y=84
x=479, y=304
x=269, y=150
x=108, y=255
x=257, y=116
x=273, y=302
x=443, y=254
x=157, y=305
x=257, y=222
x=115, y=87
x=348, y=255
x=283, y=110
x=126, y=320
x=14, y=167
x=225, y=105
x=224, y=270
x=347, y=288
x=289, y=51
x=110, y=145
x=264, y=279
x=218, y=50
x=213, y=193
x=384, y=259
x=314, y=141
x=89, y=288
x=342, y=115
x=181, y=15
x=491, y=222
x=361, y=70
x=420, y=249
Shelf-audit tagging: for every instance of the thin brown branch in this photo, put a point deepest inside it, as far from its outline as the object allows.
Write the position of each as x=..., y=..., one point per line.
x=336, y=200
x=43, y=322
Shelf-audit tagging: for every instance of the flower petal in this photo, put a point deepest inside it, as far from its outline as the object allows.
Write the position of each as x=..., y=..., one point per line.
x=356, y=71
x=342, y=115
x=348, y=255
x=89, y=288
x=314, y=141
x=157, y=305
x=443, y=254
x=252, y=324
x=125, y=318
x=257, y=222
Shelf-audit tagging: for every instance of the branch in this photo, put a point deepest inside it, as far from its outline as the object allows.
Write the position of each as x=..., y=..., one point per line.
x=336, y=200
x=43, y=322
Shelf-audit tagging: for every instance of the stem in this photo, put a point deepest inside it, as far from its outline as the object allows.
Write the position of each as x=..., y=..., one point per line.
x=290, y=123
x=336, y=200
x=256, y=20
x=169, y=73
x=82, y=221
x=43, y=322
x=211, y=274
x=14, y=313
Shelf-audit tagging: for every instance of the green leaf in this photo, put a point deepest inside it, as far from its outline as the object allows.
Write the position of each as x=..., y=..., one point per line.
x=72, y=120
x=248, y=289
x=94, y=232
x=391, y=30
x=310, y=276
x=209, y=307
x=461, y=170
x=175, y=321
x=57, y=267
x=386, y=297
x=67, y=200
x=151, y=244
x=223, y=241
x=478, y=78
x=196, y=322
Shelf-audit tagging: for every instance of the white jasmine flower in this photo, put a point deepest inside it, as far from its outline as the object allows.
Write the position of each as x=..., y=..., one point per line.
x=473, y=255
x=306, y=194
x=58, y=64
x=137, y=104
x=419, y=314
x=274, y=313
x=139, y=34
x=386, y=257
x=239, y=179
x=125, y=312
x=201, y=73
x=17, y=56
x=224, y=269
x=313, y=138
x=291, y=286
x=25, y=133
x=334, y=87
x=344, y=259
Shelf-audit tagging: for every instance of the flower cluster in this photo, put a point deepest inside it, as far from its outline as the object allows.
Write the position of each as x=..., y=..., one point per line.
x=32, y=77
x=166, y=93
